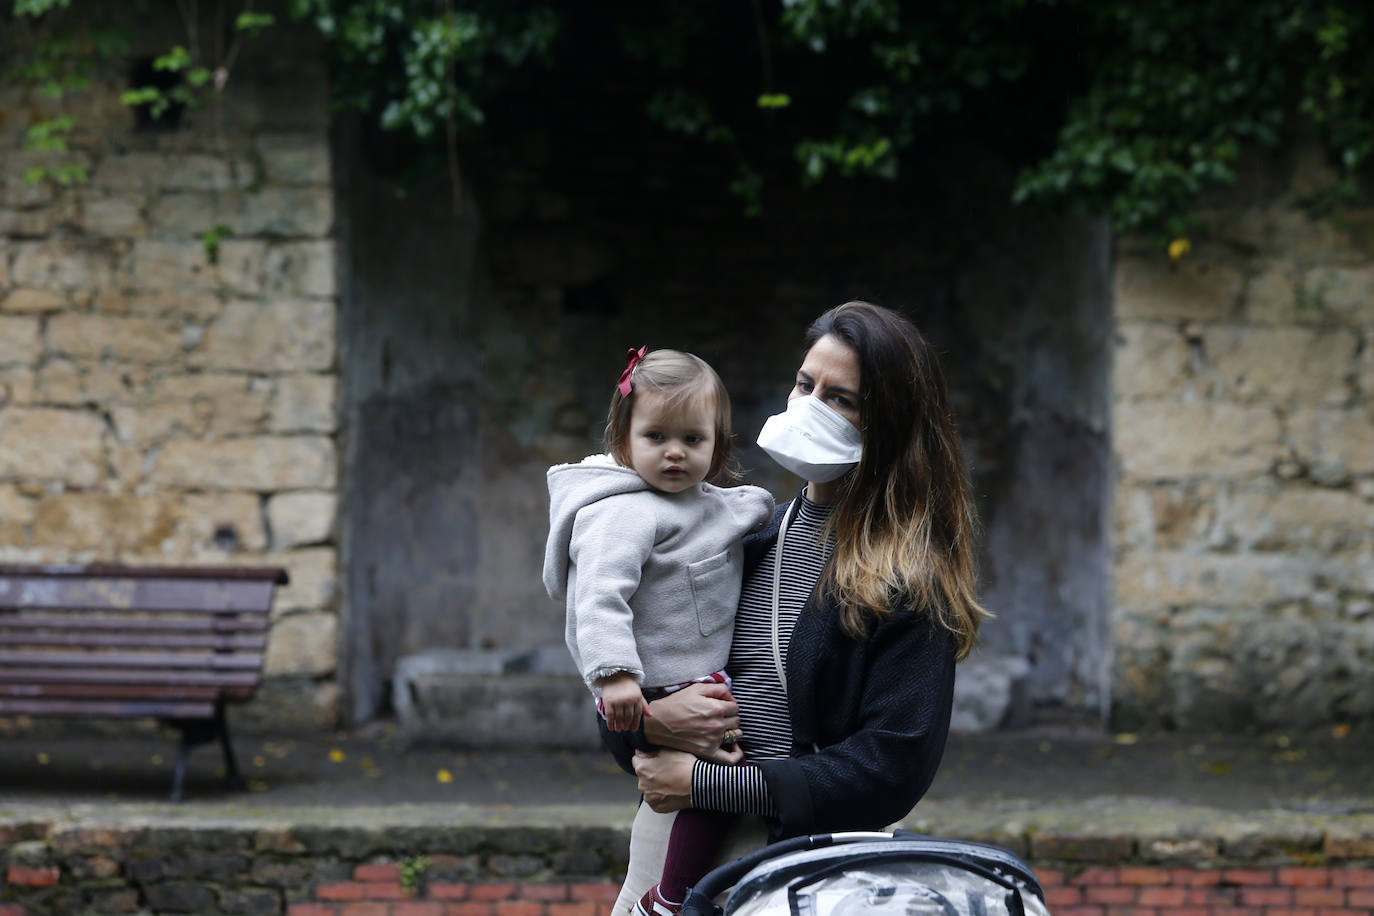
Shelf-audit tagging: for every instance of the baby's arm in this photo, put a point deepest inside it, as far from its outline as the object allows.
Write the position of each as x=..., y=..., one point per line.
x=622, y=702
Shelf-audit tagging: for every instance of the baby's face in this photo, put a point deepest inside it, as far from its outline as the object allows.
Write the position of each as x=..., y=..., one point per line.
x=671, y=445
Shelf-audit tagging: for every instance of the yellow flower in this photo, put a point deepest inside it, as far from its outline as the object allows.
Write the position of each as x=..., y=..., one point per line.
x=336, y=755
x=444, y=776
x=1179, y=247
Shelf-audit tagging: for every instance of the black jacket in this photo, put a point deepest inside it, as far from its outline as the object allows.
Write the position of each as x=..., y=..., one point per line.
x=869, y=716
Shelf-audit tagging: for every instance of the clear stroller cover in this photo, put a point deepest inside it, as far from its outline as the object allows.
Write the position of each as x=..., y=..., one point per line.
x=901, y=877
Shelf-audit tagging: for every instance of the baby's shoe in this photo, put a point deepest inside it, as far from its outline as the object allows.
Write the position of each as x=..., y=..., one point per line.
x=653, y=904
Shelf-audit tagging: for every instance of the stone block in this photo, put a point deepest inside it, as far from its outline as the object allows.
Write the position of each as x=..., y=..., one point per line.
x=14, y=505
x=175, y=897
x=20, y=340
x=29, y=224
x=16, y=386
x=241, y=269
x=289, y=212
x=301, y=269
x=1282, y=365
x=181, y=267
x=305, y=403
x=51, y=444
x=261, y=463
x=190, y=215
x=1154, y=287
x=515, y=710
x=1151, y=361
x=1167, y=440
x=151, y=425
x=230, y=404
x=1343, y=295
x=200, y=172
x=112, y=217
x=1174, y=578
x=302, y=644
x=314, y=575
x=103, y=523
x=1333, y=443
x=73, y=383
x=295, y=158
x=288, y=335
x=179, y=304
x=100, y=336
x=68, y=265
x=33, y=301
x=301, y=518
x=1295, y=516
x=130, y=172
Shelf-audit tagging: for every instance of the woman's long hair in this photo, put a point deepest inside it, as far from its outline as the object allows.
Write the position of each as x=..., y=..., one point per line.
x=904, y=522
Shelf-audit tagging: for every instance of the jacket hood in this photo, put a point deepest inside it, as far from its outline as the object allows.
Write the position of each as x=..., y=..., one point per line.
x=572, y=487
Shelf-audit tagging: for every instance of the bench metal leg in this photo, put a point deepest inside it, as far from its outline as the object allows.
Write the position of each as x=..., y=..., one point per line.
x=195, y=732
x=232, y=778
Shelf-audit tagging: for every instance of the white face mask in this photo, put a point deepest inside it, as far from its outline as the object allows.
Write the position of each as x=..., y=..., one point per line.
x=811, y=440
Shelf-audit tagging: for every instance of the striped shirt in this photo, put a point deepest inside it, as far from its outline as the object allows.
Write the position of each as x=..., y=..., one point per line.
x=753, y=672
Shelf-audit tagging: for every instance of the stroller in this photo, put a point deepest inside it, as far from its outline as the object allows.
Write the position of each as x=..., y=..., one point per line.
x=896, y=874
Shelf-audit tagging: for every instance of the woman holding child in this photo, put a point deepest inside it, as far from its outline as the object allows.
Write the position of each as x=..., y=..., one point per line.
x=857, y=601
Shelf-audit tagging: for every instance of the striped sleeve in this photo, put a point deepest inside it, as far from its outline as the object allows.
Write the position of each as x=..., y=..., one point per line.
x=732, y=789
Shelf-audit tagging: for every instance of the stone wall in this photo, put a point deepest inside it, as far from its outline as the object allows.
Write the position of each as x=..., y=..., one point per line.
x=1244, y=441
x=160, y=402
x=474, y=867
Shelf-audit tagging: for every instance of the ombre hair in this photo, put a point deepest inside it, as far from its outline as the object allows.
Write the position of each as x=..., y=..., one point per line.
x=681, y=378
x=904, y=521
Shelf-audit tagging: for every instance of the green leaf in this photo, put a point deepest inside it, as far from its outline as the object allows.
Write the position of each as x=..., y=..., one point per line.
x=178, y=58
x=774, y=100
x=253, y=22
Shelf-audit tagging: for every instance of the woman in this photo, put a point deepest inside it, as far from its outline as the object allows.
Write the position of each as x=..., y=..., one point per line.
x=870, y=576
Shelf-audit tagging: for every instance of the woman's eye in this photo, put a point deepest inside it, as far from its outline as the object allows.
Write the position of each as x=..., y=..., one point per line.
x=803, y=386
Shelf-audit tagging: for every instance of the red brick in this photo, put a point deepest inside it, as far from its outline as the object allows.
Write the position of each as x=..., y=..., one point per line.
x=1194, y=877
x=1341, y=911
x=1048, y=876
x=1290, y=911
x=1185, y=911
x=1063, y=896
x=1319, y=896
x=377, y=871
x=363, y=909
x=1162, y=896
x=342, y=890
x=444, y=891
x=1108, y=894
x=418, y=908
x=1247, y=876
x=1210, y=896
x=1361, y=897
x=491, y=891
x=547, y=892
x=1305, y=877
x=1080, y=911
x=1237, y=911
x=1095, y=876
x=519, y=908
x=32, y=877
x=603, y=892
x=298, y=909
x=1353, y=877
x=385, y=890
x=10, y=909
x=1132, y=911
x=585, y=908
x=468, y=908
x=1150, y=876
x=1266, y=896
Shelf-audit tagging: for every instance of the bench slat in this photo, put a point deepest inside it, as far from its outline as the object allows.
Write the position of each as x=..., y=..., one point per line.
x=84, y=621
x=210, y=661
x=111, y=691
x=36, y=675
x=162, y=709
x=137, y=594
x=136, y=640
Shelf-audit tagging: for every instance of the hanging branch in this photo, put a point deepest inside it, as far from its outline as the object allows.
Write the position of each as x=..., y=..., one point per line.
x=450, y=122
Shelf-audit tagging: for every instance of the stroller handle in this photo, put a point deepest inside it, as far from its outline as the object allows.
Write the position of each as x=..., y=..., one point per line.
x=700, y=899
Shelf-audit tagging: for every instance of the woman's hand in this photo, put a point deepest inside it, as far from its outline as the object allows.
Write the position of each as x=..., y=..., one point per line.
x=693, y=719
x=665, y=778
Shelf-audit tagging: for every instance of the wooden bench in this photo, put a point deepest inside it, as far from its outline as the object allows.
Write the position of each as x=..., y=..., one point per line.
x=175, y=644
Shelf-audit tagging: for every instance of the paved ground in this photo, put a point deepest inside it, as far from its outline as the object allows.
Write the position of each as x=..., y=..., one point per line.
x=1327, y=772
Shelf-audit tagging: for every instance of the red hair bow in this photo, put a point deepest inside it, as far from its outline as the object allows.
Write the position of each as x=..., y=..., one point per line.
x=626, y=384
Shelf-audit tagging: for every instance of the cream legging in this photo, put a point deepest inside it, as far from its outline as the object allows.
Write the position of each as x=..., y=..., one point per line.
x=649, y=847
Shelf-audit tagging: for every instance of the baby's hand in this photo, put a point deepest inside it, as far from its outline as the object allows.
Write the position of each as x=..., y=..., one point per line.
x=623, y=702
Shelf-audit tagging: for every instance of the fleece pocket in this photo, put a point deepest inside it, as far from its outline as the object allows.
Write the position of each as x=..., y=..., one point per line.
x=715, y=590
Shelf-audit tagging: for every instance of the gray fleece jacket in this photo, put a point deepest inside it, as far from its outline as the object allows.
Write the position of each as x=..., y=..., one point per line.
x=651, y=579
